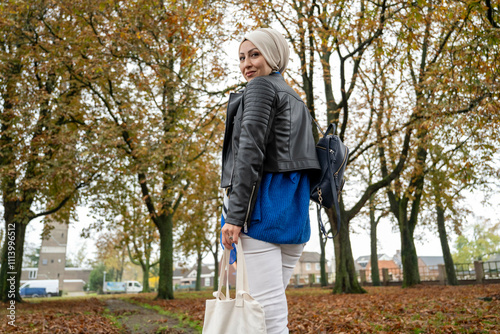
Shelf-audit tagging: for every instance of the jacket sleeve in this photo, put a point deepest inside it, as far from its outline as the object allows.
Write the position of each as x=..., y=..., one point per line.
x=256, y=124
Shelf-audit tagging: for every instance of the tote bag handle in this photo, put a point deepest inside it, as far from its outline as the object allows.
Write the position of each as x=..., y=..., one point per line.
x=242, y=288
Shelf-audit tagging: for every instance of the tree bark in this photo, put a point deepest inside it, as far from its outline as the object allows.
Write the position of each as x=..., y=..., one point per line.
x=165, y=283
x=346, y=279
x=198, y=271
x=373, y=245
x=145, y=278
x=216, y=260
x=322, y=258
x=12, y=255
x=409, y=257
x=451, y=275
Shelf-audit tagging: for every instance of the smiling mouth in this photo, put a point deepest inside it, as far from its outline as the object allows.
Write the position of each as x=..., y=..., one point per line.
x=249, y=74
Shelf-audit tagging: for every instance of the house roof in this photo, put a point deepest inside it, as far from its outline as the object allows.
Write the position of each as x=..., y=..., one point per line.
x=384, y=264
x=397, y=258
x=310, y=257
x=357, y=266
x=366, y=258
x=180, y=272
x=494, y=257
x=432, y=260
x=205, y=271
x=362, y=261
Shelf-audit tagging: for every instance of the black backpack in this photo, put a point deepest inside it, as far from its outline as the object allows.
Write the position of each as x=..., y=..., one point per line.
x=327, y=185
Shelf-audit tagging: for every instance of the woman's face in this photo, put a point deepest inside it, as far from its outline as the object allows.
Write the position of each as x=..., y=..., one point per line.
x=252, y=62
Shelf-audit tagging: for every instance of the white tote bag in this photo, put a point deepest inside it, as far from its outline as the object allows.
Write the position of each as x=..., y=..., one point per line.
x=242, y=315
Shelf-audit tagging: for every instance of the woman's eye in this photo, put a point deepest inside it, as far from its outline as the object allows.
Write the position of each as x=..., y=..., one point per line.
x=255, y=55
x=242, y=58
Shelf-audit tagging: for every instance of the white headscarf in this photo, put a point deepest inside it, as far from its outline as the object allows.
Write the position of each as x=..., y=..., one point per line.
x=273, y=47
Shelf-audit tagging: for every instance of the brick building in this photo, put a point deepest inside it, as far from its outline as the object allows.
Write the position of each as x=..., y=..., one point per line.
x=52, y=262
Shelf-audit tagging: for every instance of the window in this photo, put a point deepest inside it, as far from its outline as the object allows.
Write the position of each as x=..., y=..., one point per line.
x=308, y=266
x=44, y=261
x=318, y=279
x=52, y=261
x=207, y=281
x=318, y=267
x=32, y=274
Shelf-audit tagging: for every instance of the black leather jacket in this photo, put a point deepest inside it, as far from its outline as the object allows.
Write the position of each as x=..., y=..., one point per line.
x=268, y=129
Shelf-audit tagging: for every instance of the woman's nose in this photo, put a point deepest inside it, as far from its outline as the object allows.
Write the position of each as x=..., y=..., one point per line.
x=247, y=62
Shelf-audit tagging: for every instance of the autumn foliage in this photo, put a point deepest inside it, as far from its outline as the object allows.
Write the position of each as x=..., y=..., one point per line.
x=422, y=309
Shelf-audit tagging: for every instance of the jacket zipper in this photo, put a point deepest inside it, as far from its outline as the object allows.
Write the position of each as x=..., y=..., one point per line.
x=245, y=225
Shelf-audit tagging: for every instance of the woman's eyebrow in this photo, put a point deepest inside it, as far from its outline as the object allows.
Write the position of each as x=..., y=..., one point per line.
x=242, y=53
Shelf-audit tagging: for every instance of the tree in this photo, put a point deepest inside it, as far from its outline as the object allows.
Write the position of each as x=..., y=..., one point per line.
x=96, y=278
x=437, y=47
x=483, y=242
x=143, y=66
x=140, y=238
x=373, y=207
x=124, y=216
x=492, y=14
x=197, y=220
x=449, y=176
x=77, y=260
x=339, y=33
x=112, y=252
x=31, y=255
x=348, y=31
x=41, y=133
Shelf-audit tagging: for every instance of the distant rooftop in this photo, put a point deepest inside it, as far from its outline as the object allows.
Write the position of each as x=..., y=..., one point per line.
x=432, y=260
x=310, y=257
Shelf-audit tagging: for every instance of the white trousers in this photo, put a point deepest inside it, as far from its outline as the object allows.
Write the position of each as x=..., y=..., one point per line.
x=270, y=267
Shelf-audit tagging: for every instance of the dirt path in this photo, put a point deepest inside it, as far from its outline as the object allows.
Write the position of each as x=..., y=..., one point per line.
x=136, y=319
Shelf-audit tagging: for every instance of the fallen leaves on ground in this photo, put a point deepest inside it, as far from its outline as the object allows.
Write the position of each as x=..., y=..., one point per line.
x=422, y=309
x=72, y=315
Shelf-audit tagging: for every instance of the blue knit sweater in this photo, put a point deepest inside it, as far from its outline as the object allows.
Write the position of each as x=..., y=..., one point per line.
x=281, y=212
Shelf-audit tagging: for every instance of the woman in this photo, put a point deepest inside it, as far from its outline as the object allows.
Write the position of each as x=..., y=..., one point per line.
x=268, y=153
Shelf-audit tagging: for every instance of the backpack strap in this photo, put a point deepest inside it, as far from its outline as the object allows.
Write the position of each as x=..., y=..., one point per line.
x=334, y=192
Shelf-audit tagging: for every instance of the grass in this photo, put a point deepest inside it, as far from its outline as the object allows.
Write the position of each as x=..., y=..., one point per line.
x=111, y=317
x=184, y=320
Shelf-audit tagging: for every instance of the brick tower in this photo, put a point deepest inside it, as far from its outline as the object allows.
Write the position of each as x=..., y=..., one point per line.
x=53, y=254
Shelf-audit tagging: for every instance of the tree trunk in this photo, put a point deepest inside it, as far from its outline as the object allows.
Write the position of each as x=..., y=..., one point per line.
x=198, y=272
x=216, y=264
x=346, y=280
x=122, y=267
x=322, y=259
x=373, y=245
x=451, y=275
x=12, y=255
x=145, y=276
x=409, y=257
x=165, y=283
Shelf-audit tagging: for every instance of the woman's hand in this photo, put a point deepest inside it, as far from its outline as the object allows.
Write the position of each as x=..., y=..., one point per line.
x=230, y=234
